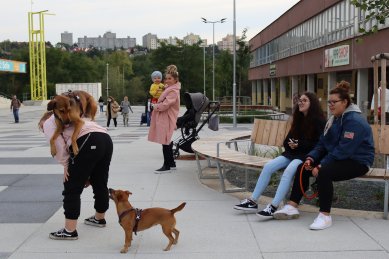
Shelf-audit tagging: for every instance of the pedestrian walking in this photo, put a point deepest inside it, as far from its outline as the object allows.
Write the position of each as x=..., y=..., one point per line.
x=15, y=106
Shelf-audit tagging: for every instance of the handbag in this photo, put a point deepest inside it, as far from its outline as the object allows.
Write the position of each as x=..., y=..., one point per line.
x=213, y=123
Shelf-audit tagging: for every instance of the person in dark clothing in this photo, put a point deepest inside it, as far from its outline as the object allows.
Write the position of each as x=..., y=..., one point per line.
x=308, y=124
x=101, y=104
x=345, y=151
x=15, y=106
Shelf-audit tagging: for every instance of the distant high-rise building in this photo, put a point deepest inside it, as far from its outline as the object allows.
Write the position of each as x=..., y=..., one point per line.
x=150, y=41
x=169, y=41
x=227, y=43
x=67, y=38
x=108, y=41
x=192, y=39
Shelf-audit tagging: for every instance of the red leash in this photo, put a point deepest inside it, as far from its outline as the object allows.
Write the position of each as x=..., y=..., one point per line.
x=314, y=195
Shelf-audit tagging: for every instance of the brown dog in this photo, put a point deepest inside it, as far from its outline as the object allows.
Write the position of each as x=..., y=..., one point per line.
x=133, y=220
x=68, y=108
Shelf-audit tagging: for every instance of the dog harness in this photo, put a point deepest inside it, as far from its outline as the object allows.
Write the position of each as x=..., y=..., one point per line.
x=138, y=213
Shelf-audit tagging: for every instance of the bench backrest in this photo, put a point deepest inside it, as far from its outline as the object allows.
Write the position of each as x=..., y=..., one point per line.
x=381, y=138
x=273, y=133
x=269, y=132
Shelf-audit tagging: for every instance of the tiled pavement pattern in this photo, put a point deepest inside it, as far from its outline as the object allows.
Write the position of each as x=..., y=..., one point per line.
x=30, y=207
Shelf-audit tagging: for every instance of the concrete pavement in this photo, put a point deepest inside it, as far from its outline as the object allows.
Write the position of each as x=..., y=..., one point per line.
x=30, y=207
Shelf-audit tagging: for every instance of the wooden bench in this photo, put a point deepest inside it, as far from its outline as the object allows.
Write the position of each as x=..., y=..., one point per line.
x=223, y=150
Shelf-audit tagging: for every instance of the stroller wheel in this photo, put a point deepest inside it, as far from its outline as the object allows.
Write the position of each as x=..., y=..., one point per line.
x=176, y=152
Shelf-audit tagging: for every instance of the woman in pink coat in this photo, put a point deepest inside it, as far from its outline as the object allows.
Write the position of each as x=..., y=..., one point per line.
x=163, y=121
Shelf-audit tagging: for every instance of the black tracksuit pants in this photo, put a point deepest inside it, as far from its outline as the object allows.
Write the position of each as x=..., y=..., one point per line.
x=340, y=170
x=92, y=162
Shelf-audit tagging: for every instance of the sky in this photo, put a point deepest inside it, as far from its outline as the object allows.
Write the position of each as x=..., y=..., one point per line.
x=134, y=18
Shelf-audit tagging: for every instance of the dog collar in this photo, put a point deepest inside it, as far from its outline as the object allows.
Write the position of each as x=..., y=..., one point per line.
x=123, y=214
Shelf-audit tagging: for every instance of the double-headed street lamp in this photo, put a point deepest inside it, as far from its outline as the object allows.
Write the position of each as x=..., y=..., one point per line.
x=213, y=52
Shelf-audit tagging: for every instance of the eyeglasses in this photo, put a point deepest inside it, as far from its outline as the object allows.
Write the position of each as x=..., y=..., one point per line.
x=303, y=101
x=333, y=102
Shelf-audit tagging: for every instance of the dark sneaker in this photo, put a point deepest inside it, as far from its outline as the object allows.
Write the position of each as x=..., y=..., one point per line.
x=247, y=205
x=95, y=222
x=62, y=234
x=162, y=170
x=268, y=212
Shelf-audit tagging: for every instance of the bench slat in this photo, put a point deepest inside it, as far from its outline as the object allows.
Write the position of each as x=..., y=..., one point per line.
x=281, y=134
x=273, y=132
x=376, y=173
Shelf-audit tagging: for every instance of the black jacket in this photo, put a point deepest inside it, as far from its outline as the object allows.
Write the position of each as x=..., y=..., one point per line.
x=305, y=145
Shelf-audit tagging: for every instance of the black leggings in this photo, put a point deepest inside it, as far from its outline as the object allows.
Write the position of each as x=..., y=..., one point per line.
x=92, y=162
x=336, y=171
x=109, y=120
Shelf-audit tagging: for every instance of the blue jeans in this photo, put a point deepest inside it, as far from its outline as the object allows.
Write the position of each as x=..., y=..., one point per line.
x=148, y=116
x=16, y=114
x=285, y=182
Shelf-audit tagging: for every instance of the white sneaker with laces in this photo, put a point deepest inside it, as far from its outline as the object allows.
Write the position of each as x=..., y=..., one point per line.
x=287, y=212
x=321, y=222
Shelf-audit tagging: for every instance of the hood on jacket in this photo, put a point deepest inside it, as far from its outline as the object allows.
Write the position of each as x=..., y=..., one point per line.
x=351, y=108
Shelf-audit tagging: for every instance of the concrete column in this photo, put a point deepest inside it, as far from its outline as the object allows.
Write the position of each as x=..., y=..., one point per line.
x=331, y=84
x=362, y=90
x=282, y=94
x=295, y=88
x=253, y=92
x=265, y=85
x=311, y=83
x=259, y=91
x=273, y=100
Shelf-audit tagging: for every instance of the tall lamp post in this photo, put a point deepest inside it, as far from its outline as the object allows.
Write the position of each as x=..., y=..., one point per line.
x=234, y=75
x=107, y=80
x=213, y=51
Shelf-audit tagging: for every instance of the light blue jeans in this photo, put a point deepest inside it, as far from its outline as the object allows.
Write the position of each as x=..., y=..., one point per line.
x=285, y=182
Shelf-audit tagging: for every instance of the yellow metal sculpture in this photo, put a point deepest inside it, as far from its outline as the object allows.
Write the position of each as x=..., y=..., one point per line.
x=37, y=50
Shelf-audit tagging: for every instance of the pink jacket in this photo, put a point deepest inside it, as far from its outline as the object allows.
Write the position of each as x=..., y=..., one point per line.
x=63, y=142
x=164, y=116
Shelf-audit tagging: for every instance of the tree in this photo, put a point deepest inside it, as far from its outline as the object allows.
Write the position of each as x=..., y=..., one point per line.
x=377, y=10
x=243, y=63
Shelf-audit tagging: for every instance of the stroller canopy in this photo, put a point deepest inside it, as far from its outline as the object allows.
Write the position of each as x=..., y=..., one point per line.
x=196, y=101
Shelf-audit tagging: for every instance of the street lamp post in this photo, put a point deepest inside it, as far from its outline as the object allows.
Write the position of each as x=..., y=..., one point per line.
x=234, y=75
x=213, y=51
x=107, y=80
x=204, y=69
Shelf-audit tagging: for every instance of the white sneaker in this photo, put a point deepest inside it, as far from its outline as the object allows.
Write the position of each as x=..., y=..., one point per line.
x=321, y=222
x=287, y=212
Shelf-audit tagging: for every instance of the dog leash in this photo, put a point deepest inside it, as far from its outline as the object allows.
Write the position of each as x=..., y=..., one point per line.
x=138, y=213
x=314, y=195
x=79, y=150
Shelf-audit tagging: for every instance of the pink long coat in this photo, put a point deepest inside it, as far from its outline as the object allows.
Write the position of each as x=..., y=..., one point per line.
x=164, y=116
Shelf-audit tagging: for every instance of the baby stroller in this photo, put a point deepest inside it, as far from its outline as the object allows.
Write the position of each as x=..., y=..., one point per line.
x=196, y=104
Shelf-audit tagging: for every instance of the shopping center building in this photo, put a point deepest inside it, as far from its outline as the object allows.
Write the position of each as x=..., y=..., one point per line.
x=311, y=47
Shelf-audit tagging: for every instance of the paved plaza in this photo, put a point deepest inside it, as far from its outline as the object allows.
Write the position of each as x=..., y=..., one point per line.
x=31, y=207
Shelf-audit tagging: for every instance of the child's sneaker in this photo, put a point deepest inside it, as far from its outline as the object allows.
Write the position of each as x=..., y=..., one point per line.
x=62, y=234
x=247, y=205
x=321, y=222
x=268, y=212
x=95, y=222
x=287, y=212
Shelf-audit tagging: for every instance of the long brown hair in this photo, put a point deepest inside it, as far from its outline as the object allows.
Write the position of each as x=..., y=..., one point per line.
x=306, y=125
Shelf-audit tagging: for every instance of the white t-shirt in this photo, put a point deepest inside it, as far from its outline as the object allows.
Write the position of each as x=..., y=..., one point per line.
x=379, y=100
